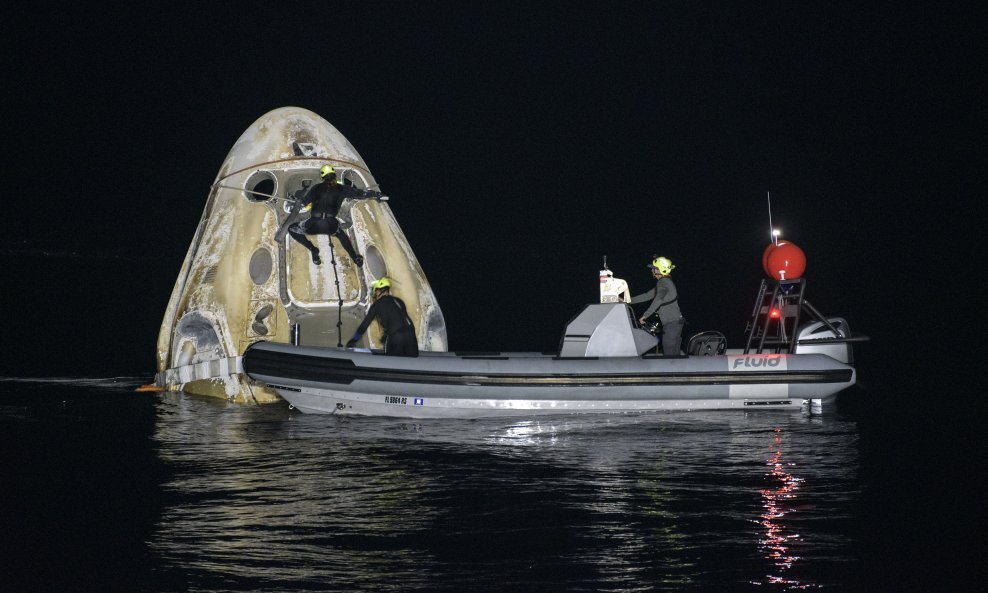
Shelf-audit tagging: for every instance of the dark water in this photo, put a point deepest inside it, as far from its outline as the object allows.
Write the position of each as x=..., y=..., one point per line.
x=107, y=489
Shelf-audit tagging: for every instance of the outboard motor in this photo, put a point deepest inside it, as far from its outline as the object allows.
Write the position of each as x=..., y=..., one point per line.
x=817, y=338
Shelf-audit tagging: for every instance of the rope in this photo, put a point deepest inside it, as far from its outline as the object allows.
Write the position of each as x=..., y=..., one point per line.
x=256, y=193
x=251, y=389
x=339, y=295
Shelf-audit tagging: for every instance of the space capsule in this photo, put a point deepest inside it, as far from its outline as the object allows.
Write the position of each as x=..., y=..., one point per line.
x=244, y=279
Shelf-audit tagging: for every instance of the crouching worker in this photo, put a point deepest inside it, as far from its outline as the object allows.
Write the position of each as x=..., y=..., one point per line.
x=324, y=201
x=399, y=331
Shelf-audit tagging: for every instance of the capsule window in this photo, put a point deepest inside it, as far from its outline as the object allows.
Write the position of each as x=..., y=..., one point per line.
x=260, y=186
x=352, y=177
x=261, y=265
x=374, y=262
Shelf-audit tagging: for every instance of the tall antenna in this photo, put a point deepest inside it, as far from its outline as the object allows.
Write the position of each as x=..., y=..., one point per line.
x=771, y=230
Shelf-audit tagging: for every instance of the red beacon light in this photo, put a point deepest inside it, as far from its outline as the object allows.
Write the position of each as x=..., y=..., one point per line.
x=783, y=261
x=775, y=313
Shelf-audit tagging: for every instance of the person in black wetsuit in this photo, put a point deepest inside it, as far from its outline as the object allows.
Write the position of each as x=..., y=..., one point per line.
x=664, y=297
x=399, y=331
x=325, y=200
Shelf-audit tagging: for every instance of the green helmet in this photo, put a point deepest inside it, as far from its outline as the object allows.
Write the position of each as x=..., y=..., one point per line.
x=663, y=265
x=326, y=171
x=380, y=283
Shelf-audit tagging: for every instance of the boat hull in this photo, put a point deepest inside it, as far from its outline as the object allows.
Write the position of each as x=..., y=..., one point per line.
x=434, y=385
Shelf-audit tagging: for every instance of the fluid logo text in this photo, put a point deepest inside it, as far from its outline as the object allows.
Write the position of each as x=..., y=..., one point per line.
x=754, y=363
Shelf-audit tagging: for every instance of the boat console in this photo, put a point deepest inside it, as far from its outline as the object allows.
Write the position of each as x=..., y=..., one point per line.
x=605, y=330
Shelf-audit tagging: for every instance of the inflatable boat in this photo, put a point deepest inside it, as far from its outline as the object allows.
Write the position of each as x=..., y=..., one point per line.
x=606, y=363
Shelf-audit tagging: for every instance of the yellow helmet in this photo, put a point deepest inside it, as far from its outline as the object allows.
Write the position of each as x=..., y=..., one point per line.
x=380, y=283
x=663, y=265
x=326, y=171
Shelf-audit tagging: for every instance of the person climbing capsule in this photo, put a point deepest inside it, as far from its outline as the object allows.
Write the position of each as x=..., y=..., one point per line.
x=323, y=202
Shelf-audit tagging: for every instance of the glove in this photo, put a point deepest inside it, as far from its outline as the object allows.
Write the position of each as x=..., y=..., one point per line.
x=351, y=344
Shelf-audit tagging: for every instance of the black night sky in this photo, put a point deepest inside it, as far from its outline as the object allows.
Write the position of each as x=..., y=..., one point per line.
x=520, y=144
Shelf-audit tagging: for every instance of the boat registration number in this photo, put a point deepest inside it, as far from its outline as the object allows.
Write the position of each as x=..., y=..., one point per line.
x=391, y=399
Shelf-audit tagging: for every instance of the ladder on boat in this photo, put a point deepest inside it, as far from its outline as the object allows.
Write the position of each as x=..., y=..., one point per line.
x=775, y=319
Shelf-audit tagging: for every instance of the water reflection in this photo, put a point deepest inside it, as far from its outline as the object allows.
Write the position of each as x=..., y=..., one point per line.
x=267, y=498
x=777, y=501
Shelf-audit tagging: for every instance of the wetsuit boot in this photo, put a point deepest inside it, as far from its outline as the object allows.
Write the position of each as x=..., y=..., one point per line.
x=348, y=246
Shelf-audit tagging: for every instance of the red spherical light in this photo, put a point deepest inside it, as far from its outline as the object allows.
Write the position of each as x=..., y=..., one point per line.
x=768, y=250
x=786, y=262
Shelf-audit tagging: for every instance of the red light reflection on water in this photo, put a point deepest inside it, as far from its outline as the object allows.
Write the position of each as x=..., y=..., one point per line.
x=778, y=501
